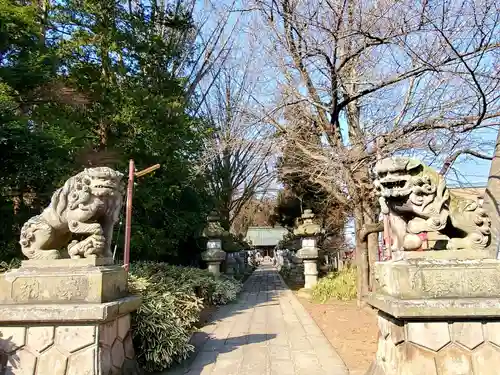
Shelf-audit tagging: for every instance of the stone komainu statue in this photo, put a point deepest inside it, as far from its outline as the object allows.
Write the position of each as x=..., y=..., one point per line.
x=416, y=199
x=85, y=209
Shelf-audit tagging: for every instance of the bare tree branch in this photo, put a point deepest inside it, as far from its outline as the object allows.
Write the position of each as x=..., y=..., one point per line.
x=452, y=158
x=420, y=76
x=237, y=158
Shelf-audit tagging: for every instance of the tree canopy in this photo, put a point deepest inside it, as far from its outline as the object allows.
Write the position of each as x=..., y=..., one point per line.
x=88, y=83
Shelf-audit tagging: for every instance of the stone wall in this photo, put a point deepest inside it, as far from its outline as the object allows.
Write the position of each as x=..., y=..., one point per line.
x=296, y=274
x=235, y=264
x=68, y=349
x=461, y=347
x=290, y=267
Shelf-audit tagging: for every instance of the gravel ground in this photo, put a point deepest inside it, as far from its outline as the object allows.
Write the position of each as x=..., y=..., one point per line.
x=351, y=331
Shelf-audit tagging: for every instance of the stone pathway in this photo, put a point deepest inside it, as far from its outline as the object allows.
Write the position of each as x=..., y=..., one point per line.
x=266, y=332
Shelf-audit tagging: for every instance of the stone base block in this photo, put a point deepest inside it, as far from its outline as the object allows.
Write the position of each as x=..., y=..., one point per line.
x=437, y=347
x=438, y=278
x=310, y=273
x=68, y=349
x=440, y=308
x=310, y=281
x=214, y=268
x=64, y=280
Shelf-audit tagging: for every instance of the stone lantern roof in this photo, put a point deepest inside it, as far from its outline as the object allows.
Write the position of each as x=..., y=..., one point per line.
x=214, y=228
x=308, y=228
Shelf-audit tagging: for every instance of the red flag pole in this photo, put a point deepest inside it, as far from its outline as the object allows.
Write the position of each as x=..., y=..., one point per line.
x=128, y=214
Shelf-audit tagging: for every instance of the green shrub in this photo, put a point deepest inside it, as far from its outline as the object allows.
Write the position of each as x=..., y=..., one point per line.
x=181, y=279
x=172, y=299
x=285, y=272
x=226, y=290
x=162, y=325
x=13, y=263
x=337, y=285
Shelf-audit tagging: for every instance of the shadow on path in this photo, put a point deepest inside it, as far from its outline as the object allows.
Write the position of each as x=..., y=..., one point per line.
x=260, y=289
x=265, y=332
x=212, y=350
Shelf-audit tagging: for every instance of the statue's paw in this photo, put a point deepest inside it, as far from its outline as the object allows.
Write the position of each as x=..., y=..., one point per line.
x=72, y=244
x=74, y=248
x=435, y=223
x=412, y=242
x=454, y=244
x=29, y=236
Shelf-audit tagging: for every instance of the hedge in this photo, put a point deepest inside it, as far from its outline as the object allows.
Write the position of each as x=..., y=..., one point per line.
x=172, y=299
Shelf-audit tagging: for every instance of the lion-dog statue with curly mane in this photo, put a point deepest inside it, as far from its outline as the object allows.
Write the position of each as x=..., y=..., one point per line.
x=79, y=220
x=416, y=200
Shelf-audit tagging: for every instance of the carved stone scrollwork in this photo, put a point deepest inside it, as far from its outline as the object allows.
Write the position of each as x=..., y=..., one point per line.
x=86, y=207
x=416, y=199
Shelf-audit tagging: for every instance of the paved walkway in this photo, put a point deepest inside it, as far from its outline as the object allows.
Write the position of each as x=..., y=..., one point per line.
x=266, y=332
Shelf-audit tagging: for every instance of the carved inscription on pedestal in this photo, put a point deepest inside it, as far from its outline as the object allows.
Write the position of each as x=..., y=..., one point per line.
x=50, y=288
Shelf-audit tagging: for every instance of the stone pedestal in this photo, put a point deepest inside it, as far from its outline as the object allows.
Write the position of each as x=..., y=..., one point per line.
x=310, y=273
x=437, y=316
x=66, y=317
x=309, y=255
x=214, y=257
x=214, y=268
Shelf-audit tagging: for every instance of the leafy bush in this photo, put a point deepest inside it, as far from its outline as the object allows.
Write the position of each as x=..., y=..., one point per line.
x=285, y=272
x=226, y=290
x=13, y=263
x=337, y=285
x=172, y=299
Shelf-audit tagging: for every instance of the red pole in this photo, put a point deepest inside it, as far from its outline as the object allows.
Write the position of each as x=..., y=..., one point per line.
x=128, y=215
x=387, y=238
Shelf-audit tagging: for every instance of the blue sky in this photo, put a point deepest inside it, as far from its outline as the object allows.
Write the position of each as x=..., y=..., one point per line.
x=466, y=171
x=469, y=170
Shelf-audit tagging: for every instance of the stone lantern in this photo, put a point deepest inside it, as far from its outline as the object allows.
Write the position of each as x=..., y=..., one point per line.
x=309, y=231
x=231, y=264
x=214, y=255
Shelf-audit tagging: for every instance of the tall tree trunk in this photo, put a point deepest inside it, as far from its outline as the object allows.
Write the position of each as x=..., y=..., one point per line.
x=226, y=189
x=43, y=9
x=492, y=199
x=225, y=217
x=361, y=254
x=372, y=242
